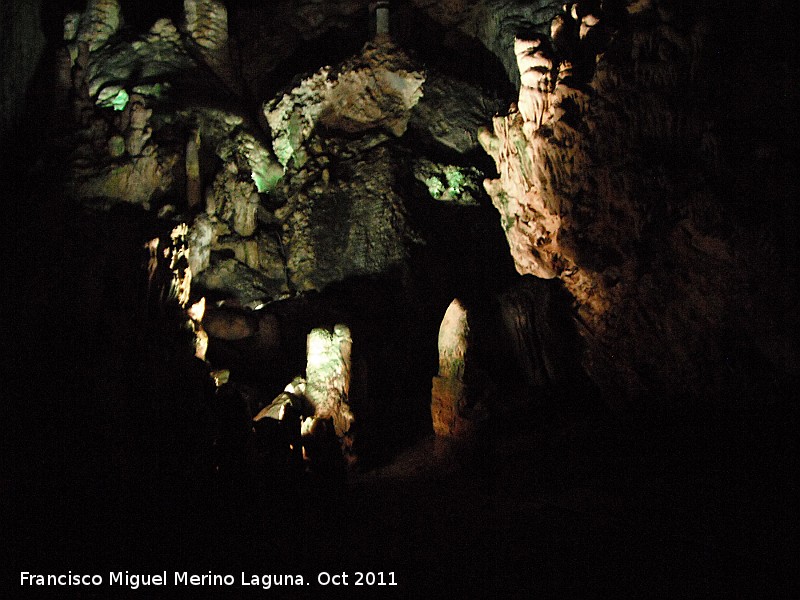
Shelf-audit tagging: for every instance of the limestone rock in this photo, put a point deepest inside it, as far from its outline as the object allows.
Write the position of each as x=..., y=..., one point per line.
x=230, y=325
x=494, y=22
x=328, y=375
x=454, y=407
x=193, y=183
x=244, y=214
x=376, y=89
x=207, y=23
x=232, y=278
x=452, y=111
x=346, y=228
x=137, y=181
x=270, y=256
x=154, y=57
x=591, y=191
x=98, y=23
x=139, y=130
x=449, y=183
x=231, y=195
x=201, y=238
x=207, y=26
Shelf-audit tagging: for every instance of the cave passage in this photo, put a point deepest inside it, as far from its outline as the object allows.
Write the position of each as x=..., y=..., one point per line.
x=497, y=301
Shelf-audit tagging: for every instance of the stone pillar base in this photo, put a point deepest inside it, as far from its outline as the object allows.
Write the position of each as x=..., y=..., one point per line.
x=448, y=398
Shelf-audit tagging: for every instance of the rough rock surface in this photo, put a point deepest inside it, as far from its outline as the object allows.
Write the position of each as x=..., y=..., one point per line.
x=232, y=278
x=342, y=216
x=207, y=27
x=596, y=165
x=99, y=22
x=494, y=22
x=451, y=112
x=156, y=56
x=376, y=89
x=328, y=374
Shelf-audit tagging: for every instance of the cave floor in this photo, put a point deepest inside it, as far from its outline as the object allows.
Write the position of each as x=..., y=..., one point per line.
x=576, y=508
x=576, y=505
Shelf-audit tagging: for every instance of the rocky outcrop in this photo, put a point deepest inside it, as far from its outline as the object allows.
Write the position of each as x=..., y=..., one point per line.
x=605, y=166
x=99, y=22
x=374, y=90
x=449, y=183
x=344, y=227
x=155, y=57
x=137, y=181
x=451, y=112
x=494, y=22
x=342, y=217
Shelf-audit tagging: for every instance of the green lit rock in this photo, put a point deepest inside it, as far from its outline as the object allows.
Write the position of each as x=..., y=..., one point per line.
x=435, y=187
x=114, y=97
x=449, y=183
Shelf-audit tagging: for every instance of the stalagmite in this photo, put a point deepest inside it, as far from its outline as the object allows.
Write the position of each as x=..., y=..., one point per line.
x=328, y=375
x=452, y=399
x=139, y=129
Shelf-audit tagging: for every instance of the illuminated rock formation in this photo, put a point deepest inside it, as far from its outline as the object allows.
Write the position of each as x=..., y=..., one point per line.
x=193, y=184
x=374, y=90
x=328, y=375
x=207, y=26
x=99, y=22
x=139, y=130
x=454, y=409
x=604, y=169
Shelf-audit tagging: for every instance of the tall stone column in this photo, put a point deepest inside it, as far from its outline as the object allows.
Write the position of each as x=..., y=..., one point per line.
x=328, y=375
x=451, y=396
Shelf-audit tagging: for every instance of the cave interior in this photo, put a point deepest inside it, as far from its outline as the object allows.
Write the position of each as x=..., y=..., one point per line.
x=535, y=262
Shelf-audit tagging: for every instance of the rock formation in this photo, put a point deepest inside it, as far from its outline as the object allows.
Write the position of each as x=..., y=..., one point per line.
x=99, y=22
x=328, y=373
x=596, y=164
x=207, y=27
x=455, y=409
x=375, y=90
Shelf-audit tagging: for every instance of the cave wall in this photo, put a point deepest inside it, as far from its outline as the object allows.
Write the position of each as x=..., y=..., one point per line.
x=619, y=175
x=629, y=166
x=22, y=44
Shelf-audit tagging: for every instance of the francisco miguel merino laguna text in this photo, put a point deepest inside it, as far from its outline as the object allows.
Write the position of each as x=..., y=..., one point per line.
x=136, y=580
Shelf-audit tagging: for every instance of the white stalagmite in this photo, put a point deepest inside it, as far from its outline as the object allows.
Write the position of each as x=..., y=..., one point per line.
x=451, y=396
x=328, y=375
